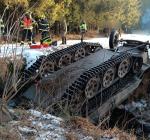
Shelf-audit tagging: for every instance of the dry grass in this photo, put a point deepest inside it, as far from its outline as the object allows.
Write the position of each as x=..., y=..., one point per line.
x=71, y=136
x=4, y=68
x=73, y=36
x=9, y=133
x=141, y=91
x=87, y=127
x=89, y=34
x=4, y=62
x=5, y=115
x=76, y=128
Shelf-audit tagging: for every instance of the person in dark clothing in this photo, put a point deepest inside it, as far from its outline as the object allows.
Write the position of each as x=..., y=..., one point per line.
x=119, y=31
x=44, y=29
x=27, y=25
x=2, y=26
x=106, y=31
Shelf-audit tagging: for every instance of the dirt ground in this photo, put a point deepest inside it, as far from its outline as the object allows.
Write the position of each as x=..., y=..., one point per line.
x=33, y=126
x=89, y=34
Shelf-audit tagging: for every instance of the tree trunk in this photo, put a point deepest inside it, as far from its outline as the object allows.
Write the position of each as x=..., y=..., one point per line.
x=64, y=31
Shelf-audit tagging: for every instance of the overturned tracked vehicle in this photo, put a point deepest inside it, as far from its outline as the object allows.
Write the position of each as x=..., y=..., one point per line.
x=85, y=79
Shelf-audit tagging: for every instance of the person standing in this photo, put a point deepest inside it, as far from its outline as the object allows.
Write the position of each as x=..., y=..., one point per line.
x=27, y=25
x=2, y=26
x=119, y=31
x=106, y=31
x=83, y=30
x=44, y=30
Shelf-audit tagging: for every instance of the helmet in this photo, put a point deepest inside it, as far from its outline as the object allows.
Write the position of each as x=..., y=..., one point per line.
x=28, y=14
x=82, y=22
x=42, y=16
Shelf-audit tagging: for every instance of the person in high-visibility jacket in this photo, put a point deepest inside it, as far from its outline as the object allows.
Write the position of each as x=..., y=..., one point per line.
x=27, y=25
x=83, y=29
x=44, y=29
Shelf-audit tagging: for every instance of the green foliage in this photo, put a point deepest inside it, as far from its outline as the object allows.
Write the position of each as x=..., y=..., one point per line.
x=96, y=13
x=111, y=13
x=13, y=3
x=131, y=13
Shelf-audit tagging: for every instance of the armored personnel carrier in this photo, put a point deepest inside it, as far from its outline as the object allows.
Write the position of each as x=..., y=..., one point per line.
x=85, y=79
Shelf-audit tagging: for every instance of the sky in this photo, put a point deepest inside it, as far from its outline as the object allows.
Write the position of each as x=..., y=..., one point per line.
x=145, y=18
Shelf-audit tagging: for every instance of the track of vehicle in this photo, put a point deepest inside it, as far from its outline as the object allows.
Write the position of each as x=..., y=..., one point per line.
x=57, y=60
x=46, y=65
x=88, y=83
x=55, y=84
x=98, y=84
